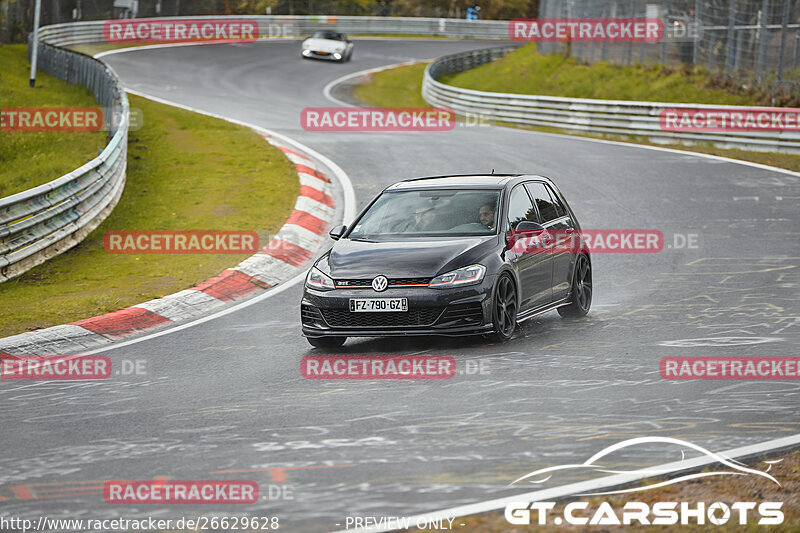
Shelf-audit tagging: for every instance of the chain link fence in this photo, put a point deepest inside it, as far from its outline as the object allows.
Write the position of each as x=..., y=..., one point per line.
x=755, y=39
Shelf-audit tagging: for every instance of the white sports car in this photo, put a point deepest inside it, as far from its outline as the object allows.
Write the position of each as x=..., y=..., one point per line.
x=328, y=45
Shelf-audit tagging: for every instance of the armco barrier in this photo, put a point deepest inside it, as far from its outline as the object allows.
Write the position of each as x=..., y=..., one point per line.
x=49, y=219
x=299, y=26
x=619, y=117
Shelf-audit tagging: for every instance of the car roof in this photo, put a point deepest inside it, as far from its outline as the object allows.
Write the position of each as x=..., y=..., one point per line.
x=471, y=181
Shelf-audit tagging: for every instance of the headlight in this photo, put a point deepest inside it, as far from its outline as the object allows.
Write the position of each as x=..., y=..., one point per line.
x=316, y=279
x=456, y=278
x=337, y=55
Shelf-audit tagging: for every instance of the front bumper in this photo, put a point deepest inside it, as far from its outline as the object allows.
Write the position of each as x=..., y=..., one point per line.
x=312, y=54
x=450, y=312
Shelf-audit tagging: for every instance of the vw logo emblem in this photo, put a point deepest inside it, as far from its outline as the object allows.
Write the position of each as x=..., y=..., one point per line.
x=380, y=283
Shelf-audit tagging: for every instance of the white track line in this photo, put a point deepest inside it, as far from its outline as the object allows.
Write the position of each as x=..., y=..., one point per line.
x=327, y=90
x=563, y=491
x=175, y=45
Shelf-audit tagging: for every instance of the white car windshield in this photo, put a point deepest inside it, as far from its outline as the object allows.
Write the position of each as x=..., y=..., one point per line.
x=330, y=35
x=422, y=213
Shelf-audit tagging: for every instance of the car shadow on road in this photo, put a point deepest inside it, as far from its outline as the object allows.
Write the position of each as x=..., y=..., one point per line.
x=540, y=329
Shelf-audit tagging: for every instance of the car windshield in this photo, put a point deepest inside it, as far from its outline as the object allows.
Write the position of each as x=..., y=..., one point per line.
x=332, y=35
x=422, y=213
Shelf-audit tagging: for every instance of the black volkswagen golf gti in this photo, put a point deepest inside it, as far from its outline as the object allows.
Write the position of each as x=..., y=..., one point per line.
x=443, y=256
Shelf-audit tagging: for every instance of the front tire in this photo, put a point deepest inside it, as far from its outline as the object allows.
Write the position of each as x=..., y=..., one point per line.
x=326, y=343
x=504, y=308
x=580, y=295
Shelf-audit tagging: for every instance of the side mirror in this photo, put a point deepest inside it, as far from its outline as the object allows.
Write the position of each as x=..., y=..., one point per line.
x=337, y=232
x=524, y=230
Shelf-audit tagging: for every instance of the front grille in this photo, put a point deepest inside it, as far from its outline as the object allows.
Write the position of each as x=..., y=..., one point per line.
x=464, y=313
x=310, y=315
x=342, y=318
x=393, y=282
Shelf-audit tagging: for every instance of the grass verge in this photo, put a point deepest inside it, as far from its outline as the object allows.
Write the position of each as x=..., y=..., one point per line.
x=726, y=489
x=185, y=172
x=31, y=158
x=402, y=87
x=526, y=72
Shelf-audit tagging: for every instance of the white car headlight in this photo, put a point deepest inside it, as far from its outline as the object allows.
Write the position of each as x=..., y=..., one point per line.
x=457, y=278
x=317, y=279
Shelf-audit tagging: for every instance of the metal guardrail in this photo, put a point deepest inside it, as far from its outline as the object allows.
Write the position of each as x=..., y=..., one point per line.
x=47, y=220
x=618, y=117
x=298, y=26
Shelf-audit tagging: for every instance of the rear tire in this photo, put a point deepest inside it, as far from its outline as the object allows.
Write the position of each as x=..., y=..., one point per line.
x=504, y=308
x=326, y=343
x=580, y=294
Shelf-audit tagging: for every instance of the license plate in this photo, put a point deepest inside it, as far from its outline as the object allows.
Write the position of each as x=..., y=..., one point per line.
x=378, y=305
x=323, y=53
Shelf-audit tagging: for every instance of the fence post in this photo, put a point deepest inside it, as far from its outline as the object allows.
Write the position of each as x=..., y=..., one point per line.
x=37, y=11
x=762, y=40
x=664, y=16
x=698, y=20
x=784, y=31
x=729, y=40
x=630, y=44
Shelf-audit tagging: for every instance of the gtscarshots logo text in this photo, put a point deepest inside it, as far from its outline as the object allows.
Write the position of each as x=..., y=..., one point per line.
x=659, y=513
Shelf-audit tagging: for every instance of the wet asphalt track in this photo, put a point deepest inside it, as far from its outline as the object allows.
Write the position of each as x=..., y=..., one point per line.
x=225, y=400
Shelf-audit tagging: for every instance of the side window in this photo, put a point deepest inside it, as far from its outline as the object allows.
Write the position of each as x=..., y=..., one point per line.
x=520, y=207
x=543, y=201
x=562, y=211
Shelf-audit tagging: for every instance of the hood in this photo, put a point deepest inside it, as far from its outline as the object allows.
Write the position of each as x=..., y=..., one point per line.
x=408, y=258
x=324, y=45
